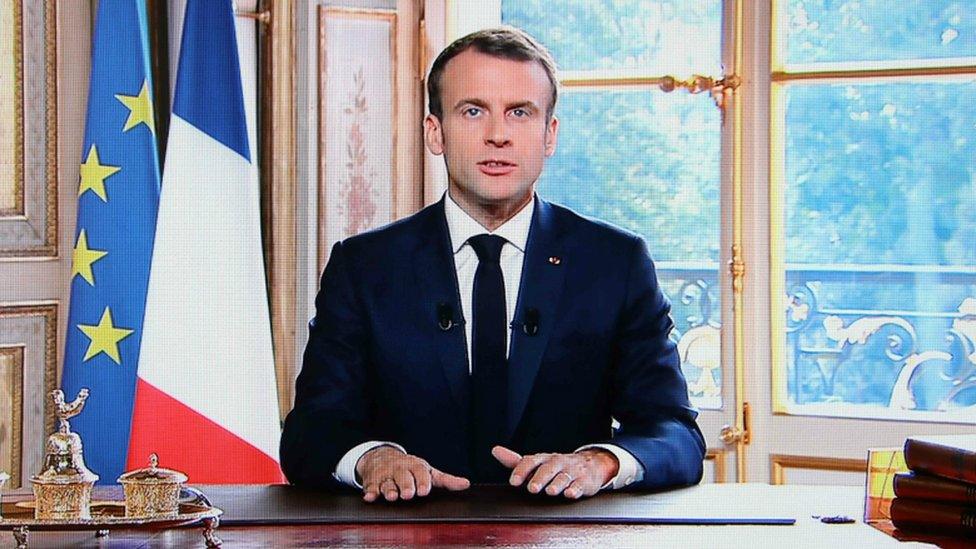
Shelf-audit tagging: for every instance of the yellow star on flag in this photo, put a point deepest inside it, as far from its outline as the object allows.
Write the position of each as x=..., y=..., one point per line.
x=105, y=337
x=83, y=259
x=140, y=109
x=93, y=174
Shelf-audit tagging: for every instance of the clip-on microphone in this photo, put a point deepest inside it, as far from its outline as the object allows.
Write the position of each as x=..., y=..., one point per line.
x=531, y=325
x=445, y=316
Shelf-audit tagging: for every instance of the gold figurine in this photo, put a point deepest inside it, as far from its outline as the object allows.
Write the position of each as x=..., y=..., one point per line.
x=63, y=488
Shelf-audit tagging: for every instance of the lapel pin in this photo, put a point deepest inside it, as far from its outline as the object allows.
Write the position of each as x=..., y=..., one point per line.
x=555, y=260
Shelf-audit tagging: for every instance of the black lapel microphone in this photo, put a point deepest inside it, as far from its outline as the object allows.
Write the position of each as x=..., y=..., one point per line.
x=531, y=325
x=445, y=316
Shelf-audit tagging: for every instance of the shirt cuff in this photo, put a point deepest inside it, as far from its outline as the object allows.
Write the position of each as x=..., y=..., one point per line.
x=346, y=469
x=629, y=471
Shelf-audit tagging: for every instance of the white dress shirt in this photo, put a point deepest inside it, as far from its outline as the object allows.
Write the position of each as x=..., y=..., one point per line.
x=515, y=231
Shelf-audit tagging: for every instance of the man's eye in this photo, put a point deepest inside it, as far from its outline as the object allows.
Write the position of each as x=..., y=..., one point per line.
x=520, y=113
x=472, y=111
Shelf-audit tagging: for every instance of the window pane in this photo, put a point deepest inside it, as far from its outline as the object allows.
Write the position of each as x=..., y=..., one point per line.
x=656, y=36
x=880, y=246
x=881, y=174
x=819, y=31
x=649, y=162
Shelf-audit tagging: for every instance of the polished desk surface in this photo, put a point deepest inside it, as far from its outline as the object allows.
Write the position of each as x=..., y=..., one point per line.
x=431, y=526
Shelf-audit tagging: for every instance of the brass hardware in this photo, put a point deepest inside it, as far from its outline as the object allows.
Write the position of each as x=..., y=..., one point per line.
x=263, y=17
x=734, y=435
x=720, y=90
x=731, y=435
x=847, y=74
x=738, y=269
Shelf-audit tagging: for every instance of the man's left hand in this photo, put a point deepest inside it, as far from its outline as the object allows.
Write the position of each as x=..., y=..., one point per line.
x=572, y=475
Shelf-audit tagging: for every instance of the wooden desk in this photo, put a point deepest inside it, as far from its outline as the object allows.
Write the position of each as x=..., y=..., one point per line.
x=799, y=502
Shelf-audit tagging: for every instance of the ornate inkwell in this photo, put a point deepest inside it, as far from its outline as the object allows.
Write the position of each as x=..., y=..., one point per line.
x=63, y=488
x=63, y=493
x=153, y=491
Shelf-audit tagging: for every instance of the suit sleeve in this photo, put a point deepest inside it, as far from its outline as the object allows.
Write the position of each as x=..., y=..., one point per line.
x=332, y=400
x=650, y=395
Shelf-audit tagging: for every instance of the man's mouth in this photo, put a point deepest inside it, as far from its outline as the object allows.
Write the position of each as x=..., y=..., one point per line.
x=496, y=167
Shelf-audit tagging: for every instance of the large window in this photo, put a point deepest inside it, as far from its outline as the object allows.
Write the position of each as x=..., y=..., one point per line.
x=874, y=208
x=633, y=155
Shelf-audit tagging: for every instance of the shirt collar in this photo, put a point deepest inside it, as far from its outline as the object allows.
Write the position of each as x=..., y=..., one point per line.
x=462, y=226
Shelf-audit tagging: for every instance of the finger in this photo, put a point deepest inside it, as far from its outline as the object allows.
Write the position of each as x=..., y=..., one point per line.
x=444, y=480
x=405, y=482
x=371, y=491
x=545, y=473
x=579, y=488
x=421, y=474
x=525, y=467
x=506, y=457
x=389, y=489
x=559, y=483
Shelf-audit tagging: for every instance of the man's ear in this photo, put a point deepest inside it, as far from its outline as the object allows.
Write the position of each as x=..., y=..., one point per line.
x=433, y=135
x=552, y=132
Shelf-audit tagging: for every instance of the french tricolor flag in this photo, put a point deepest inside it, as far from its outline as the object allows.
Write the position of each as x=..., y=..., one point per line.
x=206, y=397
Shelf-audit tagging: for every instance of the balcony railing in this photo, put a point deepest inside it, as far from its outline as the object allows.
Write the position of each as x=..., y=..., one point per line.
x=893, y=337
x=695, y=296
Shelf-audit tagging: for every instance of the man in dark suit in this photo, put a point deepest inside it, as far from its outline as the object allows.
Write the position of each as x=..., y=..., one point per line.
x=492, y=336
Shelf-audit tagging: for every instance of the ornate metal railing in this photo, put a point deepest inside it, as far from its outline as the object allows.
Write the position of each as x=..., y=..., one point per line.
x=847, y=340
x=855, y=335
x=695, y=296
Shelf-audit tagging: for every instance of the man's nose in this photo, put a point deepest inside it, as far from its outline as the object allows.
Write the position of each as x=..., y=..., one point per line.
x=497, y=132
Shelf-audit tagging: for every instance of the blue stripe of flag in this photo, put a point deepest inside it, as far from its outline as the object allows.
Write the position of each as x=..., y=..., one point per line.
x=208, y=84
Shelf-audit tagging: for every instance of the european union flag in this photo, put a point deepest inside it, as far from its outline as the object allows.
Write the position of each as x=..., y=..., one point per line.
x=118, y=199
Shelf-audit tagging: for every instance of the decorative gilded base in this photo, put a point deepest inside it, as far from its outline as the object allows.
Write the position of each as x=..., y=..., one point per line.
x=62, y=502
x=19, y=519
x=152, y=501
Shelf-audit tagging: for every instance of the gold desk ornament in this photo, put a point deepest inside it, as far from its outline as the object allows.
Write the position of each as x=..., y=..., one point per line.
x=63, y=488
x=153, y=491
x=4, y=477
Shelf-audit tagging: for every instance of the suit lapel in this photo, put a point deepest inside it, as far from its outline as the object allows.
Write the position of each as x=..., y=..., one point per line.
x=433, y=261
x=543, y=271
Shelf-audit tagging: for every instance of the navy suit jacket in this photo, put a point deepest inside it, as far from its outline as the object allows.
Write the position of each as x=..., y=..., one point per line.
x=378, y=365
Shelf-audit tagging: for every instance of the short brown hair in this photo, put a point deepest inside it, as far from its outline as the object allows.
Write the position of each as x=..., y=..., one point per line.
x=506, y=42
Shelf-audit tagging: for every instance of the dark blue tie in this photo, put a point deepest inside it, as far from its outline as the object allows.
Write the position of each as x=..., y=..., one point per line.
x=489, y=365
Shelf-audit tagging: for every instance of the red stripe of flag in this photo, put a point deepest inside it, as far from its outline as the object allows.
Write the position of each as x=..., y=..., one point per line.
x=190, y=442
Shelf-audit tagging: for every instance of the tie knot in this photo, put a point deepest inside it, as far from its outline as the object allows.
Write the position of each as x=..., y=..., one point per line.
x=488, y=247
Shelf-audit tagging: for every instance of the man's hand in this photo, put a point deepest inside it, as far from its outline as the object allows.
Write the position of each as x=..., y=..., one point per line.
x=389, y=471
x=572, y=475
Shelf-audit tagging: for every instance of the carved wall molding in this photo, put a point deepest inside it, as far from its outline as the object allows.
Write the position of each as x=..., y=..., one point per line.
x=28, y=340
x=719, y=459
x=779, y=463
x=29, y=229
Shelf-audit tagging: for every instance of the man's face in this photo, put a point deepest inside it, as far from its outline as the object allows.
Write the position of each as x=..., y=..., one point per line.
x=494, y=133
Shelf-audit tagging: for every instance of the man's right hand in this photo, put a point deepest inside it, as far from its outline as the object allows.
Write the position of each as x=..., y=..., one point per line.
x=389, y=471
